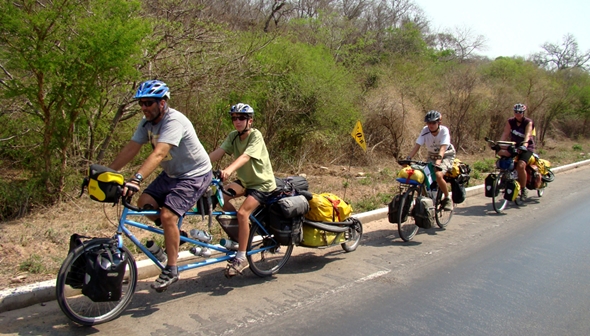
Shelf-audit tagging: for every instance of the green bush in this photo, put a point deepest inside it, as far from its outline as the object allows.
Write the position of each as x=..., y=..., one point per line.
x=485, y=166
x=577, y=147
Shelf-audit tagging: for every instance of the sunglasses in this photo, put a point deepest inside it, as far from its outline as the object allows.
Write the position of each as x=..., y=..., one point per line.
x=241, y=118
x=432, y=122
x=519, y=112
x=146, y=103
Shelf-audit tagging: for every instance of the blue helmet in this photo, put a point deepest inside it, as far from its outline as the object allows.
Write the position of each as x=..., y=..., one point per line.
x=242, y=108
x=152, y=89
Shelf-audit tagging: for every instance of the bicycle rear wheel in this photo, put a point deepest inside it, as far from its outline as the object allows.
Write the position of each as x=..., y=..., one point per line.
x=406, y=225
x=78, y=307
x=271, y=256
x=443, y=217
x=498, y=189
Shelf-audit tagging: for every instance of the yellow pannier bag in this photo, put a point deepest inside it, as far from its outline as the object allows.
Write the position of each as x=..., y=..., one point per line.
x=314, y=237
x=411, y=173
x=544, y=166
x=104, y=184
x=328, y=207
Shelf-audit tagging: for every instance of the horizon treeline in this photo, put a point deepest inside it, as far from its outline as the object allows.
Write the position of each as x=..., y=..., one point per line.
x=309, y=68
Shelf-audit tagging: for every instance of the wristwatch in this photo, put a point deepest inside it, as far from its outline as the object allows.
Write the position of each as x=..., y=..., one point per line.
x=138, y=177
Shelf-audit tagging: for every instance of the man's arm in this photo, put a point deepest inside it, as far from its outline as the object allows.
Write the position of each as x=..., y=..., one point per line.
x=125, y=155
x=153, y=161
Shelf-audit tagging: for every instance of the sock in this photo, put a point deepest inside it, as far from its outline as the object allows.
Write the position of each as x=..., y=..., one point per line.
x=241, y=255
x=172, y=269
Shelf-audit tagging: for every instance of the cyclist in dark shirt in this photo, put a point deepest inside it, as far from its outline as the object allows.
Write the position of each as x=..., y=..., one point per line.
x=519, y=129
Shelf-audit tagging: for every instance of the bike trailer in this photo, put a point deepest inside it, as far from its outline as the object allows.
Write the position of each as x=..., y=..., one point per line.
x=316, y=234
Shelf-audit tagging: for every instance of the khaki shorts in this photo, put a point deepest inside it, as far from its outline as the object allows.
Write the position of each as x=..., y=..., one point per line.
x=446, y=163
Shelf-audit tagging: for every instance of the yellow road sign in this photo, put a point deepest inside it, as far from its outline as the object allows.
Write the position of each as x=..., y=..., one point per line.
x=358, y=135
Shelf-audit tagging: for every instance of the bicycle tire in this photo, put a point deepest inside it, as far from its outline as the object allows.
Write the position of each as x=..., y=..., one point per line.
x=498, y=189
x=355, y=233
x=80, y=308
x=272, y=259
x=443, y=217
x=407, y=229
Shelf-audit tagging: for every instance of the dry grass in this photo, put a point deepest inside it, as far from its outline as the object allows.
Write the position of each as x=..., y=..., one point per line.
x=32, y=248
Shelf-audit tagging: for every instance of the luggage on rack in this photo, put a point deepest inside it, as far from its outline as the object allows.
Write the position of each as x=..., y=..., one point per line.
x=458, y=192
x=328, y=207
x=293, y=206
x=533, y=178
x=286, y=231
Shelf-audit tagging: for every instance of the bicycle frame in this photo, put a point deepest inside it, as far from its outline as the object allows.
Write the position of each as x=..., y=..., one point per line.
x=124, y=221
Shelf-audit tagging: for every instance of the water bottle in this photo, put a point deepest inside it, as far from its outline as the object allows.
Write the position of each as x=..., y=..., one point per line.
x=228, y=244
x=201, y=235
x=514, y=175
x=200, y=251
x=156, y=251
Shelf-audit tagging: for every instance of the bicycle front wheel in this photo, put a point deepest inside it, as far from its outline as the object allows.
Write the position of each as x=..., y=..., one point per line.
x=265, y=255
x=406, y=225
x=498, y=189
x=70, y=280
x=443, y=217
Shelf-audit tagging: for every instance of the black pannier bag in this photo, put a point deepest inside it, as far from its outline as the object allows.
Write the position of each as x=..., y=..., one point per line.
x=286, y=231
x=458, y=192
x=75, y=277
x=105, y=269
x=489, y=184
x=393, y=210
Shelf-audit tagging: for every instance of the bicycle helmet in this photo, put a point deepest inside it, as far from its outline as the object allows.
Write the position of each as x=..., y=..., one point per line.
x=519, y=107
x=432, y=116
x=242, y=108
x=153, y=89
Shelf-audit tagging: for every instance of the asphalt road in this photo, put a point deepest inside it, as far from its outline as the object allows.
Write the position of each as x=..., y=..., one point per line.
x=522, y=273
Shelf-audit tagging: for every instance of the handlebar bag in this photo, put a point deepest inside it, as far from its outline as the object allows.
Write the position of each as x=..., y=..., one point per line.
x=104, y=184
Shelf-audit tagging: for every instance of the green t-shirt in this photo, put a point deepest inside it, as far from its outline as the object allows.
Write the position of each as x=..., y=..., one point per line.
x=257, y=173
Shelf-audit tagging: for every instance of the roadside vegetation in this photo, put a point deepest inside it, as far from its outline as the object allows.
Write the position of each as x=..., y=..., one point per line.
x=310, y=69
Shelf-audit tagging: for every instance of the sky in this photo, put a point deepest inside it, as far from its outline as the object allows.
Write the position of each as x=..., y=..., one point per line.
x=513, y=28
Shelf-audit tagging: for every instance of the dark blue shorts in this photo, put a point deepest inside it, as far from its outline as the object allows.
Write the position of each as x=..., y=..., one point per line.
x=178, y=194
